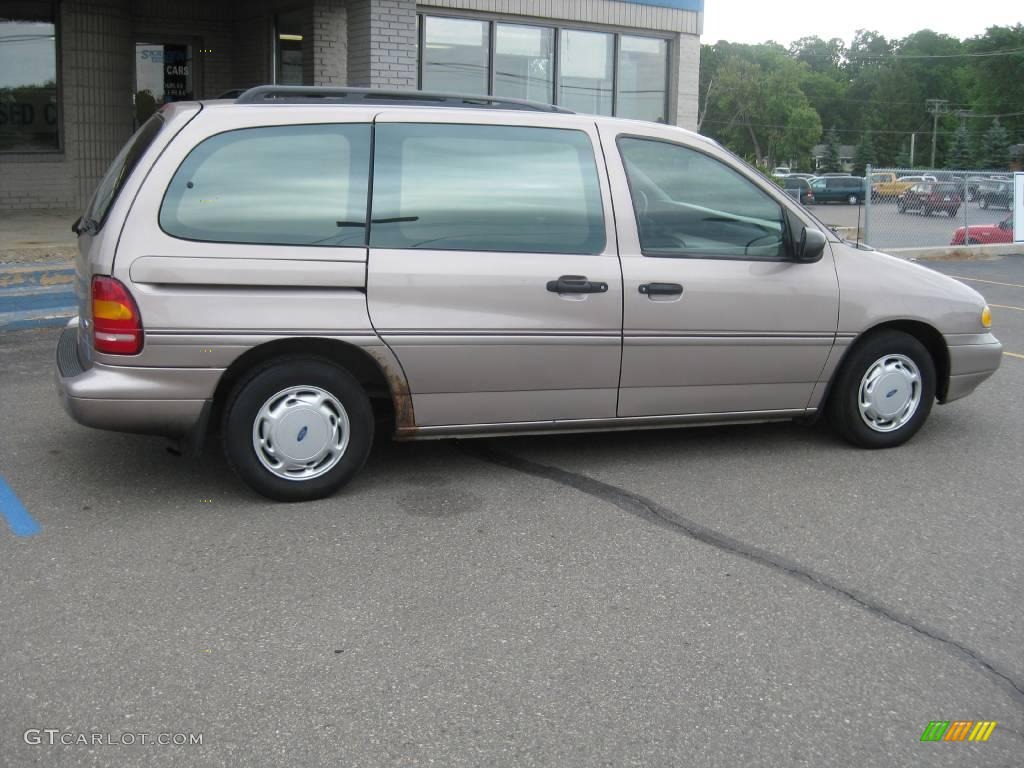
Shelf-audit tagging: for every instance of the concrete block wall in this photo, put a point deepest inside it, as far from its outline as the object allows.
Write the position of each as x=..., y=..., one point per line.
x=687, y=81
x=382, y=43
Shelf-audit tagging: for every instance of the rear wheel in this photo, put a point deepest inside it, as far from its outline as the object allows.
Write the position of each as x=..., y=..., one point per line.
x=973, y=241
x=983, y=203
x=926, y=211
x=852, y=200
x=884, y=391
x=297, y=428
x=902, y=207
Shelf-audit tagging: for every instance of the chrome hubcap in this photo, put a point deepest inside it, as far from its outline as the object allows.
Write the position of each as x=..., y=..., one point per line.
x=300, y=433
x=890, y=393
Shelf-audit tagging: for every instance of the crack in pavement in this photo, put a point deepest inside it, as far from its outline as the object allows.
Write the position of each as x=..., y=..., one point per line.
x=653, y=512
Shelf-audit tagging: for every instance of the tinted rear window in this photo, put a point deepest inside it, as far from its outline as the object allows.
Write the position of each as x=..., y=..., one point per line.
x=280, y=185
x=120, y=170
x=485, y=188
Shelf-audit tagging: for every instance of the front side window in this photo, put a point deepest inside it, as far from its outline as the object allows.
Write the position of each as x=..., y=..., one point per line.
x=688, y=204
x=287, y=185
x=485, y=188
x=28, y=78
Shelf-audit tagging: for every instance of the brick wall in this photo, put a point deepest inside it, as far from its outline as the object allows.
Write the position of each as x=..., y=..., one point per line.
x=382, y=43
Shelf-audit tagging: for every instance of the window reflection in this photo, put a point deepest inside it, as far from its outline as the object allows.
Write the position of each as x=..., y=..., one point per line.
x=485, y=188
x=523, y=58
x=643, y=71
x=455, y=55
x=298, y=185
x=585, y=65
x=28, y=82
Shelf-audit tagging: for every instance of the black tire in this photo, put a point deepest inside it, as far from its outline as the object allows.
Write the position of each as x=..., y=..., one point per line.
x=973, y=241
x=983, y=203
x=902, y=208
x=926, y=211
x=843, y=409
x=259, y=386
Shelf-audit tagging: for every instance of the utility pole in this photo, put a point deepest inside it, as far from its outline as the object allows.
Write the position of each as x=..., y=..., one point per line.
x=936, y=107
x=913, y=137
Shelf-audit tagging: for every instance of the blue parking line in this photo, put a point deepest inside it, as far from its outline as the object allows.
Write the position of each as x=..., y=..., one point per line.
x=20, y=521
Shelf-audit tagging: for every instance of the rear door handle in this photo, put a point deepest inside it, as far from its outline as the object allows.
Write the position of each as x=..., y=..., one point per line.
x=576, y=284
x=661, y=289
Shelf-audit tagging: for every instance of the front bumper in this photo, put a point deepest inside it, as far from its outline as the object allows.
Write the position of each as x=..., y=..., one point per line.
x=972, y=359
x=157, y=401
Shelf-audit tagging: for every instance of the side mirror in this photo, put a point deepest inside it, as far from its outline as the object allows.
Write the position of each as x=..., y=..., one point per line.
x=810, y=246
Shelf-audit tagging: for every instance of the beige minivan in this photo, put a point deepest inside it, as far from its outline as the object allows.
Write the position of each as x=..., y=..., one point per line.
x=297, y=266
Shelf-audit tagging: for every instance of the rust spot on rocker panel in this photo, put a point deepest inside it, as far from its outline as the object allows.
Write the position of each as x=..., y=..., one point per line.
x=401, y=398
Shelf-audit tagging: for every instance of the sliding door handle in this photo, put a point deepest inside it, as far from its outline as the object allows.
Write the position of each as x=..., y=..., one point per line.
x=661, y=289
x=576, y=284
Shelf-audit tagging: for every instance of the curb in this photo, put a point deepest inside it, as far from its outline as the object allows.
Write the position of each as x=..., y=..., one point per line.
x=36, y=295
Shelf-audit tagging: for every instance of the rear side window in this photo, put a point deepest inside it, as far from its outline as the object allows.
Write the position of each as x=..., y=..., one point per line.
x=280, y=185
x=485, y=188
x=688, y=204
x=121, y=169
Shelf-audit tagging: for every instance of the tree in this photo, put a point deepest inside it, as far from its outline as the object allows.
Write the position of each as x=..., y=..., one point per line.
x=960, y=155
x=995, y=148
x=803, y=131
x=831, y=163
x=864, y=153
x=903, y=156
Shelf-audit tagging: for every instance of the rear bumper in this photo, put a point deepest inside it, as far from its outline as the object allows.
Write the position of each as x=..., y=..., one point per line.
x=972, y=359
x=158, y=401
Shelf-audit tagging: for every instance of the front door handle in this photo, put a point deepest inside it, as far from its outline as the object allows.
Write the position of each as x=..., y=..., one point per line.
x=661, y=289
x=576, y=284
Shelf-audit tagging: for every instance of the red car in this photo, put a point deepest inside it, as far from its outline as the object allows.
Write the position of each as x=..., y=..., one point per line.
x=983, y=234
x=929, y=197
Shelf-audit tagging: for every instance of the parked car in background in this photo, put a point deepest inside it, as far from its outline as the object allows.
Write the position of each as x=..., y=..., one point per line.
x=781, y=170
x=839, y=189
x=799, y=188
x=804, y=175
x=892, y=188
x=995, y=194
x=985, y=234
x=931, y=196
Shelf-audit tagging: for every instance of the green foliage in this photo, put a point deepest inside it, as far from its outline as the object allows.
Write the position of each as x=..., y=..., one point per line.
x=758, y=99
x=961, y=153
x=995, y=148
x=830, y=162
x=864, y=154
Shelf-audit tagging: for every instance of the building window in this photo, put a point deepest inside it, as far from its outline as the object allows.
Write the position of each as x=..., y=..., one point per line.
x=290, y=49
x=29, y=107
x=455, y=55
x=524, y=60
x=597, y=72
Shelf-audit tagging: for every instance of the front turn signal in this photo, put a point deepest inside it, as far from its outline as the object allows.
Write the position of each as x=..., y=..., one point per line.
x=986, y=317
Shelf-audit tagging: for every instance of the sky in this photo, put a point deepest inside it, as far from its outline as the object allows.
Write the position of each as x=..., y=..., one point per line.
x=755, y=21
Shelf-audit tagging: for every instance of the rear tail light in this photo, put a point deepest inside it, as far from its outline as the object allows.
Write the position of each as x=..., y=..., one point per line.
x=116, y=323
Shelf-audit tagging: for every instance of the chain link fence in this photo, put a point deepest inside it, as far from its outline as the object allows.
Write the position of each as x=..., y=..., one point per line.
x=916, y=208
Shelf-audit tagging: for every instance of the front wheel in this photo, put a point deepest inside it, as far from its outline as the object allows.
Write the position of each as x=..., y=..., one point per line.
x=983, y=203
x=297, y=428
x=884, y=391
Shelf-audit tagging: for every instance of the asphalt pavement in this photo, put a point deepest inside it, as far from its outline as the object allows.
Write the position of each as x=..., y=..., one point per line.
x=741, y=596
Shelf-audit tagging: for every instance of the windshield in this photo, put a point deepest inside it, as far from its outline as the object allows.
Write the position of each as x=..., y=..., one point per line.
x=121, y=169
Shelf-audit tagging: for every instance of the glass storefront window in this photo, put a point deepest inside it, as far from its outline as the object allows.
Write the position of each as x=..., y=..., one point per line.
x=163, y=73
x=290, y=53
x=643, y=75
x=523, y=62
x=28, y=79
x=586, y=65
x=588, y=71
x=455, y=55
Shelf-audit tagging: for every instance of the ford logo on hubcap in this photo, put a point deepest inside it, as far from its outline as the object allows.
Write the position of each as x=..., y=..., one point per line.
x=888, y=395
x=302, y=434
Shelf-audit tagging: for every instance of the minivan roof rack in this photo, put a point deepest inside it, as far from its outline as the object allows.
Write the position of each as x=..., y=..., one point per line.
x=305, y=94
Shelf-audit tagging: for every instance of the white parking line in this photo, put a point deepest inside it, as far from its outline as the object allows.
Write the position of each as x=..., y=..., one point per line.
x=990, y=282
x=1006, y=306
